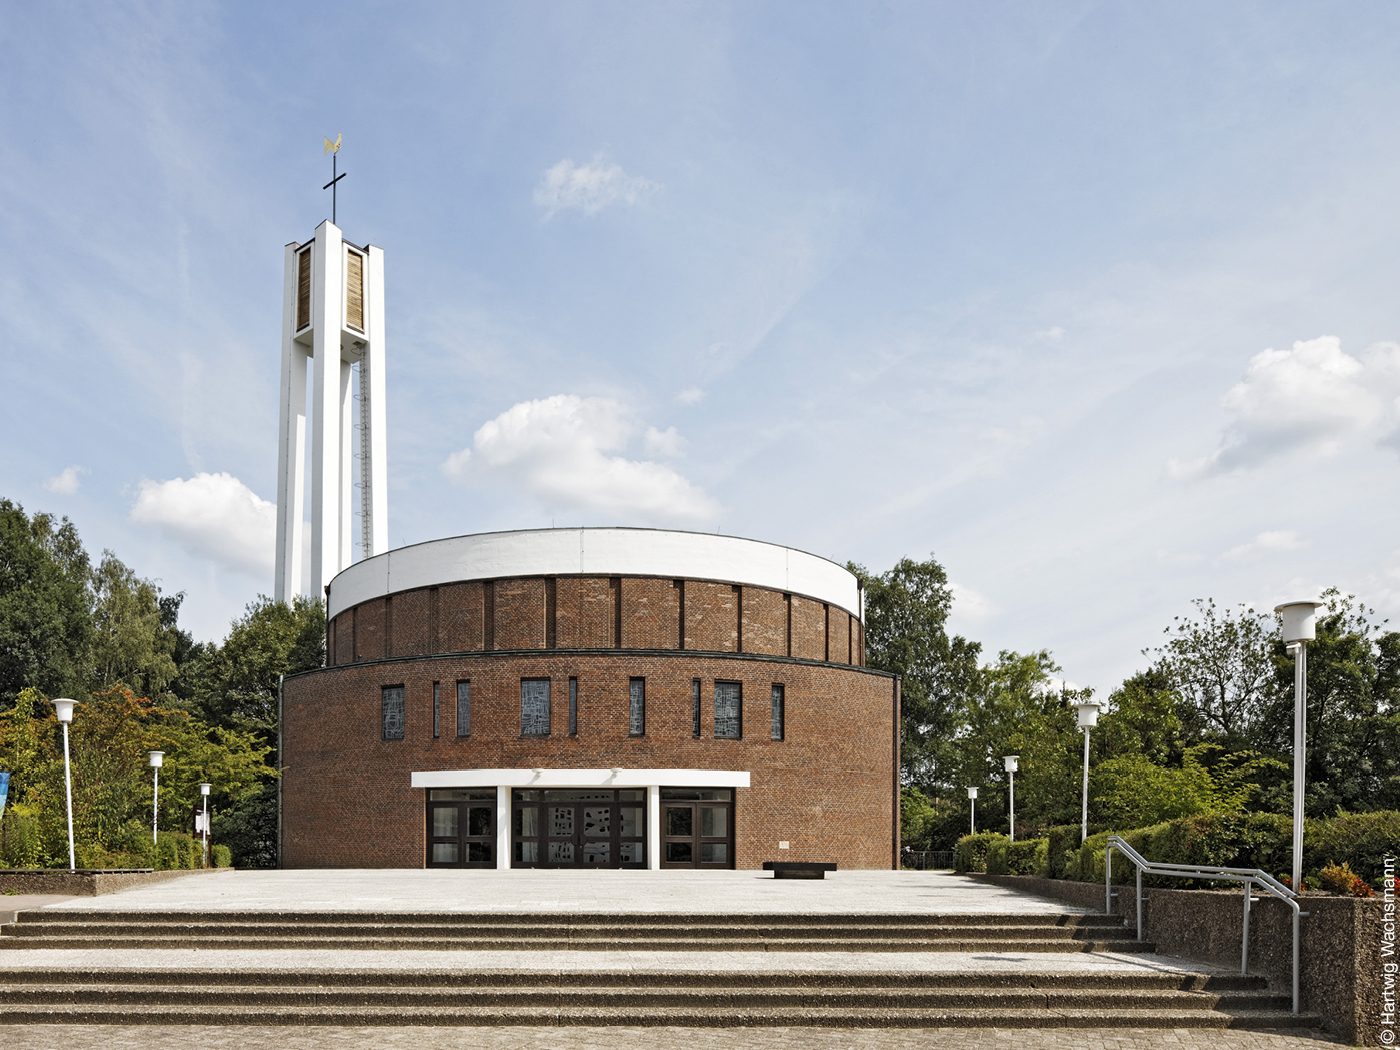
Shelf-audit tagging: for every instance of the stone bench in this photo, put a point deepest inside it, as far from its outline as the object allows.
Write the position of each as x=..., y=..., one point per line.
x=797, y=869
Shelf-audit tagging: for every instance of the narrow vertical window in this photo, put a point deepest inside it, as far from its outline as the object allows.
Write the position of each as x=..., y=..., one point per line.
x=534, y=707
x=729, y=711
x=573, y=707
x=778, y=713
x=637, y=707
x=303, y=289
x=391, y=702
x=355, y=291
x=695, y=708
x=437, y=709
x=464, y=708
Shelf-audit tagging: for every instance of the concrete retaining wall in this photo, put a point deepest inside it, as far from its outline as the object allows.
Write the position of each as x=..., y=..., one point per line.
x=1339, y=952
x=87, y=883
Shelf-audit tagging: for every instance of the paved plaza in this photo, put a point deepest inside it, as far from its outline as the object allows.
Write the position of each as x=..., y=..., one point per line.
x=593, y=892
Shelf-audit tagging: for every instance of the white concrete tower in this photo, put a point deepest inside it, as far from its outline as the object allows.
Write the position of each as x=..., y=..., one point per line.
x=332, y=315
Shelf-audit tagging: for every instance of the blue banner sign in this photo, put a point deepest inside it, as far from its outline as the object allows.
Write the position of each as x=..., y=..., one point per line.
x=4, y=791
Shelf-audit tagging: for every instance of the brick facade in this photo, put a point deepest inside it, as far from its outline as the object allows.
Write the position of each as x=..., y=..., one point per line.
x=595, y=612
x=829, y=788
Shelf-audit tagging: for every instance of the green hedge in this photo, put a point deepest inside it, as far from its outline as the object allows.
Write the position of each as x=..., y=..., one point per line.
x=970, y=854
x=1242, y=840
x=1361, y=841
x=1016, y=858
x=222, y=856
x=1060, y=843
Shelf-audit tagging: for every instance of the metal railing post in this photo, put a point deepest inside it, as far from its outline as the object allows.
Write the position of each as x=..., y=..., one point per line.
x=1244, y=941
x=1108, y=879
x=1139, y=902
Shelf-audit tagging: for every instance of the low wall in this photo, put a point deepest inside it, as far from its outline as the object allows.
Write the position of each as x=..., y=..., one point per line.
x=1339, y=951
x=86, y=882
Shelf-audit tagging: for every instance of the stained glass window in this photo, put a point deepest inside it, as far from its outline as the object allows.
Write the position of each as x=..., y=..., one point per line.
x=573, y=707
x=464, y=708
x=637, y=707
x=534, y=707
x=695, y=708
x=778, y=713
x=729, y=710
x=391, y=699
x=437, y=709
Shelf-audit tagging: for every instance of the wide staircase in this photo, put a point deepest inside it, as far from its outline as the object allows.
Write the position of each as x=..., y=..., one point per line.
x=832, y=980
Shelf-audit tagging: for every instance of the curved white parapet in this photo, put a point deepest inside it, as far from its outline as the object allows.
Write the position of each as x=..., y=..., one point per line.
x=595, y=552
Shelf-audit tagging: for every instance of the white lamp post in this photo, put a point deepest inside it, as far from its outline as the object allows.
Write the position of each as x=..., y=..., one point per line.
x=972, y=801
x=204, y=794
x=1299, y=628
x=64, y=710
x=1011, y=766
x=1088, y=718
x=157, y=758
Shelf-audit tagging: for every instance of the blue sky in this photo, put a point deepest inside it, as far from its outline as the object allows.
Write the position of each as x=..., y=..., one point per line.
x=1093, y=301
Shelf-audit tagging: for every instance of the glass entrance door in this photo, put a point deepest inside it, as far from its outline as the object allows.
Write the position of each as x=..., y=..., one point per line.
x=697, y=828
x=568, y=828
x=461, y=828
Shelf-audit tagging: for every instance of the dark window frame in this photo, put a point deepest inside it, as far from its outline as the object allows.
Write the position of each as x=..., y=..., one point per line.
x=695, y=709
x=437, y=709
x=636, y=706
x=573, y=706
x=778, y=723
x=464, y=706
x=548, y=720
x=722, y=720
x=387, y=702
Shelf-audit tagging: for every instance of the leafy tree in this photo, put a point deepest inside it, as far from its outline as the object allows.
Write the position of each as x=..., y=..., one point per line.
x=1222, y=669
x=45, y=621
x=132, y=645
x=236, y=682
x=905, y=612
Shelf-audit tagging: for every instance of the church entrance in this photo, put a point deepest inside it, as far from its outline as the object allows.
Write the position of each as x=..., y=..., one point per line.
x=579, y=828
x=461, y=828
x=697, y=828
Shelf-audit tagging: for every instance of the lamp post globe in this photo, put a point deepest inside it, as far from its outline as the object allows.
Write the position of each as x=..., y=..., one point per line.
x=1012, y=762
x=63, y=709
x=1088, y=712
x=972, y=803
x=1298, y=622
x=157, y=759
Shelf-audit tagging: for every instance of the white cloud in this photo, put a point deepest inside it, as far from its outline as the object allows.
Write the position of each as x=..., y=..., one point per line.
x=691, y=396
x=971, y=605
x=1265, y=543
x=662, y=442
x=214, y=516
x=65, y=483
x=556, y=448
x=1308, y=399
x=1054, y=334
x=588, y=188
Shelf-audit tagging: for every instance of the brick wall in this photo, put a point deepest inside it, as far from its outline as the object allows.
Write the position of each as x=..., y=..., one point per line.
x=828, y=788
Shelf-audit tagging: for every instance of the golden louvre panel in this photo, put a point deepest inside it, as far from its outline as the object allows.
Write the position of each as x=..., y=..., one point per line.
x=303, y=289
x=355, y=291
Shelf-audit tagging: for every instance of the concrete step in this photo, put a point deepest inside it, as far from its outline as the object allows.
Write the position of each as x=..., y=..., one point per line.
x=71, y=929
x=691, y=944
x=714, y=1015
x=483, y=997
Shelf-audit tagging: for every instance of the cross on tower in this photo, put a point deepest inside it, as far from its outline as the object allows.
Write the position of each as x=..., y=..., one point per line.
x=333, y=148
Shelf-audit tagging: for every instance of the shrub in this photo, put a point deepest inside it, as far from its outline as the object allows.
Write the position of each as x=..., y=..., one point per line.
x=222, y=856
x=1339, y=878
x=1026, y=857
x=970, y=854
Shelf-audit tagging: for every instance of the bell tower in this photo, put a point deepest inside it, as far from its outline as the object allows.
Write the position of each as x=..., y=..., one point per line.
x=332, y=322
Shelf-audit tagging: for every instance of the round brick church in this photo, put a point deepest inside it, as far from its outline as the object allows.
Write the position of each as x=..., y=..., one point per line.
x=591, y=698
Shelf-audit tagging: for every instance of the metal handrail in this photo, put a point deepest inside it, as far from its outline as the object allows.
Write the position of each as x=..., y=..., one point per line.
x=1249, y=877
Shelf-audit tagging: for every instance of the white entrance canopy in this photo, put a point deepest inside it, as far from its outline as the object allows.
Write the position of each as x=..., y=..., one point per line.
x=503, y=780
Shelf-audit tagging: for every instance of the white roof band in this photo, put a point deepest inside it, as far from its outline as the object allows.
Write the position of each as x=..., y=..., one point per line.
x=596, y=552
